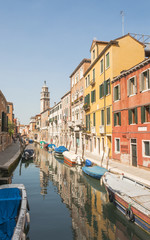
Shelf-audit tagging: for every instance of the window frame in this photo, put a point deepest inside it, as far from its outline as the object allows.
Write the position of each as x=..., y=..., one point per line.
x=116, y=151
x=129, y=94
x=107, y=54
x=101, y=66
x=140, y=80
x=143, y=148
x=119, y=94
x=107, y=116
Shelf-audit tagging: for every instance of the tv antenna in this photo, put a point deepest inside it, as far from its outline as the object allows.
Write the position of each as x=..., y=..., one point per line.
x=122, y=14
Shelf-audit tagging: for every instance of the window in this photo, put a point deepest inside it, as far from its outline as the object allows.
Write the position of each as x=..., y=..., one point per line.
x=132, y=116
x=107, y=60
x=145, y=114
x=93, y=96
x=146, y=148
x=101, y=66
x=81, y=72
x=101, y=90
x=93, y=54
x=72, y=82
x=88, y=79
x=145, y=80
x=86, y=82
x=88, y=127
x=102, y=117
x=87, y=101
x=8, y=109
x=117, y=145
x=117, y=119
x=94, y=119
x=107, y=87
x=116, y=92
x=131, y=86
x=108, y=116
x=94, y=75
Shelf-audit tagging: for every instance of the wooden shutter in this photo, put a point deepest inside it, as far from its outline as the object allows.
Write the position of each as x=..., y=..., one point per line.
x=142, y=114
x=136, y=116
x=89, y=123
x=99, y=91
x=109, y=86
x=119, y=118
x=115, y=119
x=105, y=88
x=94, y=96
x=130, y=116
x=114, y=93
x=86, y=122
x=91, y=96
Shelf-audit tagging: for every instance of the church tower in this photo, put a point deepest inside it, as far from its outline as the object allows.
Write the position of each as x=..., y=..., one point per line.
x=45, y=98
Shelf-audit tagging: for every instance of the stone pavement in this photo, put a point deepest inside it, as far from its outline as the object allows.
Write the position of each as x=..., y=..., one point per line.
x=10, y=155
x=136, y=173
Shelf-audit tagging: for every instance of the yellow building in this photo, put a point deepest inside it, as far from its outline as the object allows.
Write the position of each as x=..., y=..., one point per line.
x=108, y=59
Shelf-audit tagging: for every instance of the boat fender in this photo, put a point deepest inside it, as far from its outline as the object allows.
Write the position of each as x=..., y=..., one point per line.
x=28, y=217
x=28, y=206
x=129, y=213
x=111, y=197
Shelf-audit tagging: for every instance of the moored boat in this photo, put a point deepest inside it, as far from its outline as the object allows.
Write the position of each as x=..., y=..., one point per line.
x=130, y=197
x=72, y=159
x=94, y=171
x=28, y=154
x=58, y=152
x=14, y=215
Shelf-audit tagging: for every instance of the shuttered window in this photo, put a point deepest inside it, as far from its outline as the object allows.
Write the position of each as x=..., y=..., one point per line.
x=116, y=92
x=117, y=119
x=94, y=119
x=146, y=148
x=101, y=66
x=132, y=116
x=144, y=80
x=93, y=96
x=88, y=126
x=131, y=86
x=108, y=116
x=145, y=114
x=102, y=117
x=101, y=90
x=94, y=75
x=107, y=60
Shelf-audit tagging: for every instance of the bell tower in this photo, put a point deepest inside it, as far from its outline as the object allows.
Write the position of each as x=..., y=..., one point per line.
x=45, y=98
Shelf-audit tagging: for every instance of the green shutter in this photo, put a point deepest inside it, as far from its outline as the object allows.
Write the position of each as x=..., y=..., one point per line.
x=91, y=96
x=119, y=118
x=99, y=91
x=130, y=116
x=94, y=96
x=142, y=114
x=105, y=88
x=136, y=116
x=115, y=119
x=89, y=123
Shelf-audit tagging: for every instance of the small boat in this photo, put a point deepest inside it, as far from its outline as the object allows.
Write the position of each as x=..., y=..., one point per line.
x=72, y=159
x=31, y=141
x=58, y=152
x=51, y=147
x=94, y=171
x=130, y=197
x=14, y=212
x=28, y=154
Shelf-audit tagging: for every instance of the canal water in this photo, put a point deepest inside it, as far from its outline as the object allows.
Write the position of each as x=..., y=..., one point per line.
x=67, y=204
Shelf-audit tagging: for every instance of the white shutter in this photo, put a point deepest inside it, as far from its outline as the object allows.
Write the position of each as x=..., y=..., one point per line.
x=119, y=91
x=140, y=81
x=128, y=87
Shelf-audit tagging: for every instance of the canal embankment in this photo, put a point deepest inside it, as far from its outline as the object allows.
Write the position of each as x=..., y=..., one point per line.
x=10, y=157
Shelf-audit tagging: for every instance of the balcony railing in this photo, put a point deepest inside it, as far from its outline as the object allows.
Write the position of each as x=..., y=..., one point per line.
x=92, y=82
x=86, y=106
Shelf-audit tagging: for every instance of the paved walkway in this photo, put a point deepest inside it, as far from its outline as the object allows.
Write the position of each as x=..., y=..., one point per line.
x=9, y=155
x=135, y=173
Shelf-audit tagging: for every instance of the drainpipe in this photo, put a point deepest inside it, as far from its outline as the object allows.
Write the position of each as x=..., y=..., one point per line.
x=104, y=102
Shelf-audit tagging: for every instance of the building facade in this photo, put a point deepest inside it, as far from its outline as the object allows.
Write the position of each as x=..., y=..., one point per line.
x=77, y=99
x=131, y=116
x=108, y=59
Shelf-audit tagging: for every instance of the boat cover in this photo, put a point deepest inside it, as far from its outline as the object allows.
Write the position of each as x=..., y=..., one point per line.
x=10, y=200
x=95, y=171
x=51, y=145
x=61, y=149
x=88, y=163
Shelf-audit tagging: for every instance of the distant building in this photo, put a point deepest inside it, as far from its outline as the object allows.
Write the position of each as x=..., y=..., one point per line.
x=10, y=113
x=45, y=98
x=131, y=116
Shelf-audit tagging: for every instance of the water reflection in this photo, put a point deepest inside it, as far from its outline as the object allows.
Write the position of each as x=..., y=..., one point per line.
x=92, y=216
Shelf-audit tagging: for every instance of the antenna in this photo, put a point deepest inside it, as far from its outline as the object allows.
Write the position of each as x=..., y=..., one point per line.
x=122, y=14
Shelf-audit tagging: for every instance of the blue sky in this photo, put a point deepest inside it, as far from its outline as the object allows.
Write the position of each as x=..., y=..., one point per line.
x=45, y=40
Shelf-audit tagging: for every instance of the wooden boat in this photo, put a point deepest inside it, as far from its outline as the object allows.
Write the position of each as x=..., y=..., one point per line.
x=70, y=158
x=130, y=197
x=95, y=171
x=28, y=154
x=14, y=215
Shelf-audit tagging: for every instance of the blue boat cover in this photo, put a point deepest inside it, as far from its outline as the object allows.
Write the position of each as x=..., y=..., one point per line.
x=61, y=149
x=88, y=163
x=10, y=200
x=95, y=171
x=51, y=145
x=31, y=141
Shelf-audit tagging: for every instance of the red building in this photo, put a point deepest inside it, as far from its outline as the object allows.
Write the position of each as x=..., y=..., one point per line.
x=131, y=116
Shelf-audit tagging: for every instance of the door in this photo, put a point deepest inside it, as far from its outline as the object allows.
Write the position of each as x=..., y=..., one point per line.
x=134, y=152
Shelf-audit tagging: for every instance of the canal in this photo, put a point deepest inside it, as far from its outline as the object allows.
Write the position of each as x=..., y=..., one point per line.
x=66, y=204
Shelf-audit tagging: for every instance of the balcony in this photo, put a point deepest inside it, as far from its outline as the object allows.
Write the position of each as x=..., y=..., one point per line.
x=93, y=130
x=92, y=82
x=86, y=106
x=78, y=122
x=101, y=129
